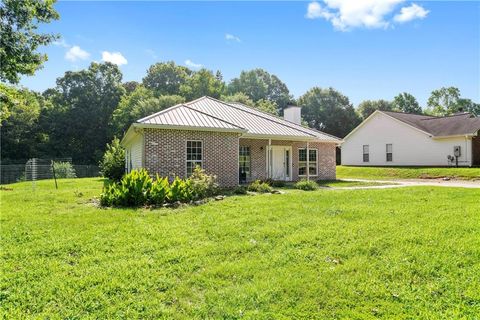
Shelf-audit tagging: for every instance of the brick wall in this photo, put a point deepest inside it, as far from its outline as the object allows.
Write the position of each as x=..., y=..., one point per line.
x=326, y=166
x=165, y=153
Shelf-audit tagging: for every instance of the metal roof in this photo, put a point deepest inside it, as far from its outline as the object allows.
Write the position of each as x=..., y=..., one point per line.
x=182, y=115
x=207, y=112
x=458, y=124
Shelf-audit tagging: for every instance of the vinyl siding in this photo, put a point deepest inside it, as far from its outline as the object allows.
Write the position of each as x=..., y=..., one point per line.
x=410, y=146
x=134, y=154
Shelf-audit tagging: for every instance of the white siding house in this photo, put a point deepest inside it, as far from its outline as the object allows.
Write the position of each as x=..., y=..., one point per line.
x=390, y=139
x=134, y=153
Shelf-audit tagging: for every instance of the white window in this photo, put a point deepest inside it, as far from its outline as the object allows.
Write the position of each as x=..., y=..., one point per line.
x=302, y=162
x=244, y=163
x=194, y=155
x=366, y=153
x=389, y=152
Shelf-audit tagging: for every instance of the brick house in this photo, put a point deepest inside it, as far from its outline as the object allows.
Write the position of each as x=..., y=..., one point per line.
x=236, y=143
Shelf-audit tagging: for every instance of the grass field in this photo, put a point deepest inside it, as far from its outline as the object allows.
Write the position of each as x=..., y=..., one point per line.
x=347, y=184
x=385, y=173
x=408, y=253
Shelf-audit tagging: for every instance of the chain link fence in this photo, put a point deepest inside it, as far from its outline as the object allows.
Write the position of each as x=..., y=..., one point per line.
x=38, y=169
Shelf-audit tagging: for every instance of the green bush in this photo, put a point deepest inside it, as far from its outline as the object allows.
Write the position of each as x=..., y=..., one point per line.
x=160, y=191
x=277, y=183
x=132, y=191
x=64, y=170
x=112, y=165
x=240, y=190
x=307, y=185
x=180, y=190
x=259, y=186
x=202, y=184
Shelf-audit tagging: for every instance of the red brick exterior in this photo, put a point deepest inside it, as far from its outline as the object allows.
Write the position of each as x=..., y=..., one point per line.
x=165, y=154
x=326, y=166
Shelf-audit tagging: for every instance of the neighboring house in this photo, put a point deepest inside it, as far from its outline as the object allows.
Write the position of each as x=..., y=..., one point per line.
x=230, y=140
x=399, y=139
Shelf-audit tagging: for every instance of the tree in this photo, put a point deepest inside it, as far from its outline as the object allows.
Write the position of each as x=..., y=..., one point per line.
x=258, y=84
x=267, y=106
x=152, y=105
x=467, y=105
x=202, y=83
x=165, y=78
x=130, y=86
x=112, y=165
x=239, y=97
x=19, y=39
x=83, y=103
x=328, y=110
x=405, y=102
x=443, y=101
x=367, y=107
x=126, y=112
x=19, y=122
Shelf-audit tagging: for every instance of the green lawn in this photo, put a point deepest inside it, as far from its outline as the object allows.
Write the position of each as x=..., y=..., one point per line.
x=385, y=173
x=345, y=184
x=407, y=253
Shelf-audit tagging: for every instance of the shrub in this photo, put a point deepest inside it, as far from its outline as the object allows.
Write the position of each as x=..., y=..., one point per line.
x=202, y=184
x=133, y=190
x=277, y=183
x=307, y=185
x=180, y=190
x=112, y=165
x=240, y=190
x=64, y=170
x=258, y=186
x=160, y=191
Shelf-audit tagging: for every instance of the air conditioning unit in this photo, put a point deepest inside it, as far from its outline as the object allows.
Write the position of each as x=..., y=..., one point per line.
x=456, y=151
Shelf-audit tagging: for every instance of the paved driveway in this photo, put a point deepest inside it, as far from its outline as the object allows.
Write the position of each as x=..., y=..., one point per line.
x=417, y=182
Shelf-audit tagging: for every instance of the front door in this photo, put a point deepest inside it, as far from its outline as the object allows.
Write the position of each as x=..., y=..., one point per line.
x=280, y=162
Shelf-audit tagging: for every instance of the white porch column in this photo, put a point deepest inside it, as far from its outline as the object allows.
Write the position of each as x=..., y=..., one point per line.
x=308, y=161
x=269, y=158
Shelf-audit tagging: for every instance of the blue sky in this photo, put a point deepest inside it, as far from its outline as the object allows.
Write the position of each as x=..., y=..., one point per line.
x=364, y=52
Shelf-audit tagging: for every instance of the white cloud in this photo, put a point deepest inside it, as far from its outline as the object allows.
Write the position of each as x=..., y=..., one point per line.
x=410, y=13
x=61, y=43
x=114, y=57
x=191, y=64
x=231, y=37
x=348, y=14
x=76, y=53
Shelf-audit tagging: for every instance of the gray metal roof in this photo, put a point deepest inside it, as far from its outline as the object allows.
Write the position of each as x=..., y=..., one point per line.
x=182, y=115
x=208, y=112
x=458, y=124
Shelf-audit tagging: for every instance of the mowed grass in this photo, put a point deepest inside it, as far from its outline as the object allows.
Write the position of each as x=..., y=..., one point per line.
x=348, y=184
x=408, y=253
x=385, y=173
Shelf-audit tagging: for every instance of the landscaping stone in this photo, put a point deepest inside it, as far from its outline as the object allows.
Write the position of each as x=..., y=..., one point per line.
x=218, y=198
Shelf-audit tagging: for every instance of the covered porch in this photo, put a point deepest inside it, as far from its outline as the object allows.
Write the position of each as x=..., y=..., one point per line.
x=285, y=160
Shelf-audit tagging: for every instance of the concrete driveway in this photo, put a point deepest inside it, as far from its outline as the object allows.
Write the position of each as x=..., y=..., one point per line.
x=417, y=182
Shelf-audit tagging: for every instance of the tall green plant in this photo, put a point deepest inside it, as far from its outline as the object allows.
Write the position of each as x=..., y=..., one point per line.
x=112, y=165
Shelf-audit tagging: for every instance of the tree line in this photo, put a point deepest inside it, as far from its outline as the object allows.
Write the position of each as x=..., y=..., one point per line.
x=87, y=108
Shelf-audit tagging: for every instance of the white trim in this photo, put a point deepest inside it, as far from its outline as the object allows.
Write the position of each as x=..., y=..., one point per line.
x=186, y=155
x=378, y=111
x=284, y=148
x=308, y=163
x=454, y=136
